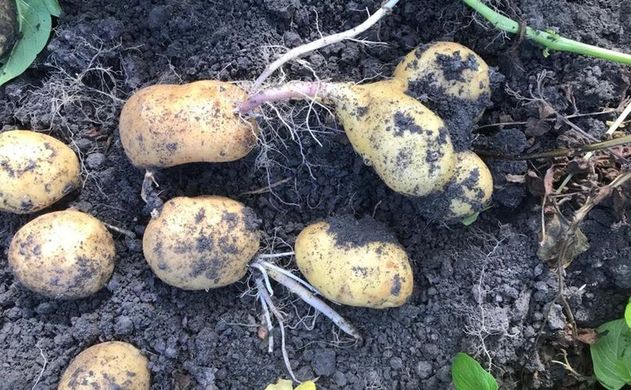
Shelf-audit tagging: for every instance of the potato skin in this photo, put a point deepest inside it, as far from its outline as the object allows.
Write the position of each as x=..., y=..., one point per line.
x=109, y=365
x=453, y=81
x=36, y=170
x=64, y=254
x=201, y=243
x=370, y=273
x=166, y=125
x=8, y=25
x=408, y=145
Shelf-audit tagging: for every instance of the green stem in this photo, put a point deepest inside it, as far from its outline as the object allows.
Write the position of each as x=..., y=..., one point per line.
x=549, y=40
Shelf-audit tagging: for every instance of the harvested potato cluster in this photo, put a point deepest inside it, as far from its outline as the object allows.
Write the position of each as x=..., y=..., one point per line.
x=355, y=262
x=201, y=243
x=36, y=170
x=64, y=254
x=8, y=25
x=416, y=150
x=166, y=125
x=109, y=365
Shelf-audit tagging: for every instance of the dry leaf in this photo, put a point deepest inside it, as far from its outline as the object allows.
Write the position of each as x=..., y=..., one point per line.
x=552, y=243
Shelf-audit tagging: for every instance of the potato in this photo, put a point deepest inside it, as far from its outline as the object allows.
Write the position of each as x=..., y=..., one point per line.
x=467, y=193
x=64, y=254
x=166, y=125
x=201, y=243
x=109, y=365
x=36, y=170
x=453, y=81
x=408, y=146
x=8, y=26
x=356, y=263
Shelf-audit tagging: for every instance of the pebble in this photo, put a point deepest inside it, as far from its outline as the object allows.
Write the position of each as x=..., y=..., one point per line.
x=424, y=369
x=95, y=160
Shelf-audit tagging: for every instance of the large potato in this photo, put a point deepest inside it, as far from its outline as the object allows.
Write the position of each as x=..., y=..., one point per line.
x=408, y=145
x=356, y=263
x=201, y=243
x=63, y=254
x=453, y=81
x=107, y=366
x=36, y=170
x=8, y=25
x=167, y=125
x=467, y=193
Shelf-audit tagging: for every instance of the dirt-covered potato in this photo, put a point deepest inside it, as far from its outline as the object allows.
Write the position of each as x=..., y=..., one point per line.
x=408, y=145
x=167, y=125
x=201, y=243
x=453, y=81
x=109, y=365
x=467, y=193
x=8, y=26
x=355, y=262
x=36, y=170
x=64, y=254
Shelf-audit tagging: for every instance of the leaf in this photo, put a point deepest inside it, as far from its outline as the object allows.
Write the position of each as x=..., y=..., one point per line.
x=611, y=355
x=552, y=243
x=35, y=25
x=627, y=313
x=308, y=385
x=467, y=374
x=53, y=7
x=470, y=219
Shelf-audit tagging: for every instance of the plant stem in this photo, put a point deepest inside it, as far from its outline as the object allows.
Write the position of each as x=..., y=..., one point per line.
x=547, y=39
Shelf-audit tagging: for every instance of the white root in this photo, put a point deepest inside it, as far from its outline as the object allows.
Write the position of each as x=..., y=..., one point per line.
x=296, y=52
x=279, y=317
x=309, y=297
x=264, y=264
x=268, y=319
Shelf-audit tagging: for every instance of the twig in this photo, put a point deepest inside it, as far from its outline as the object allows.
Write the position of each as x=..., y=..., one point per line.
x=123, y=231
x=296, y=52
x=548, y=39
x=522, y=123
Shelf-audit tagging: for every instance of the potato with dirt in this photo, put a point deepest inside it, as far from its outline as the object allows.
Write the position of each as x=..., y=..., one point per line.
x=64, y=254
x=8, y=26
x=355, y=262
x=453, y=81
x=36, y=170
x=108, y=365
x=166, y=125
x=202, y=242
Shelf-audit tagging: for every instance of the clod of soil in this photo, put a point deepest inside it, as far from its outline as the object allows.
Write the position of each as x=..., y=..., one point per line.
x=8, y=25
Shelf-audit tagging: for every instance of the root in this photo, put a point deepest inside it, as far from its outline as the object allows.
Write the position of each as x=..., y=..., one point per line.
x=298, y=90
x=41, y=373
x=296, y=52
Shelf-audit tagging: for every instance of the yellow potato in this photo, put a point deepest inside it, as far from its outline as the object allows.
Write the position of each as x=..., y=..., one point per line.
x=166, y=125
x=36, y=170
x=8, y=25
x=109, y=365
x=408, y=145
x=453, y=81
x=64, y=254
x=356, y=263
x=201, y=243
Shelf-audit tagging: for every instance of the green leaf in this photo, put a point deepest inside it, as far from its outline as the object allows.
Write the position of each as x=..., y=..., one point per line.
x=470, y=219
x=35, y=25
x=627, y=313
x=467, y=374
x=611, y=355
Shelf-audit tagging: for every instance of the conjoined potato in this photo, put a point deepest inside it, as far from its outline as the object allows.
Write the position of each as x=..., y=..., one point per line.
x=110, y=365
x=407, y=144
x=453, y=81
x=36, y=170
x=64, y=254
x=201, y=243
x=166, y=125
x=355, y=262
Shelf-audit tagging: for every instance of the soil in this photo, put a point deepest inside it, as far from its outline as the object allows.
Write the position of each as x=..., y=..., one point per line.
x=479, y=289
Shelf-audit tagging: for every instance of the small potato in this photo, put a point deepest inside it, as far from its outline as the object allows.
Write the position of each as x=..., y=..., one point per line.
x=453, y=81
x=8, y=25
x=201, y=243
x=64, y=254
x=166, y=125
x=356, y=263
x=109, y=365
x=408, y=145
x=469, y=191
x=36, y=170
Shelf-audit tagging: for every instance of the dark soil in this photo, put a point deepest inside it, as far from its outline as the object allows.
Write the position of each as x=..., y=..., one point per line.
x=479, y=289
